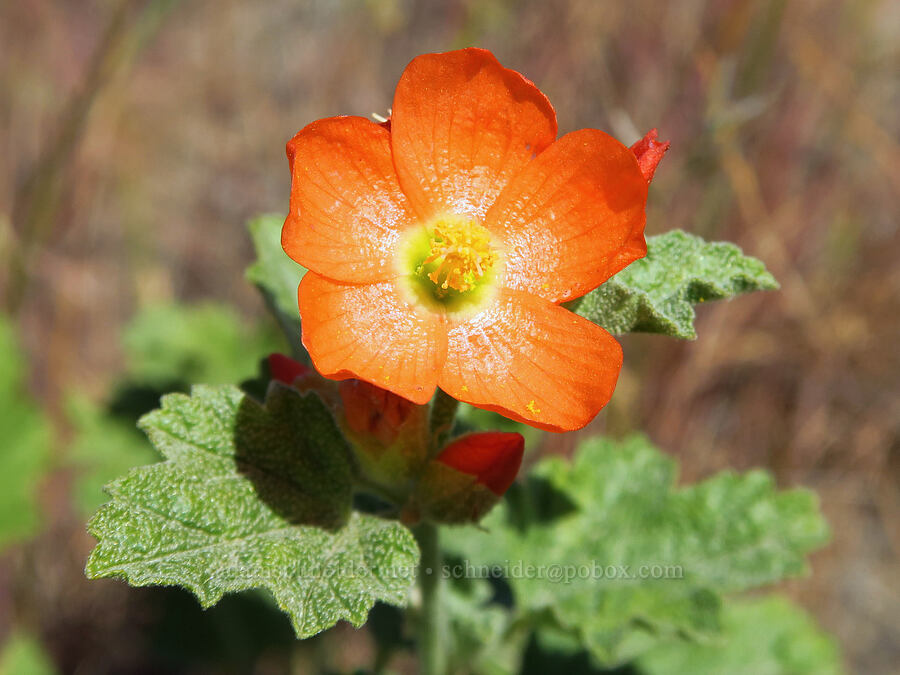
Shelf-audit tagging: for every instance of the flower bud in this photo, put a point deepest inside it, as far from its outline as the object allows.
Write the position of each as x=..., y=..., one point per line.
x=493, y=457
x=284, y=369
x=649, y=151
x=374, y=412
x=388, y=433
x=469, y=476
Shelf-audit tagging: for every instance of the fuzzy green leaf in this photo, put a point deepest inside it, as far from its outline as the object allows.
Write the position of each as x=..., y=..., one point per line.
x=275, y=274
x=167, y=347
x=657, y=294
x=252, y=496
x=768, y=635
x=25, y=454
x=610, y=521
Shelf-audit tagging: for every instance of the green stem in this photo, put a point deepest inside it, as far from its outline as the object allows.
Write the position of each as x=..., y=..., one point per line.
x=430, y=628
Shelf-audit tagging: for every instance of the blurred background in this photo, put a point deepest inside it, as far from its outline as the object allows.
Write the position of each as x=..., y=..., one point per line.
x=138, y=137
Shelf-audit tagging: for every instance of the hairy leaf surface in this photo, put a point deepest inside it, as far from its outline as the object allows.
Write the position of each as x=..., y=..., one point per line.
x=252, y=496
x=615, y=555
x=657, y=294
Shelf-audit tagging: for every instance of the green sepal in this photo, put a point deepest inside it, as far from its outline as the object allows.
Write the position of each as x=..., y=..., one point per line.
x=445, y=495
x=383, y=457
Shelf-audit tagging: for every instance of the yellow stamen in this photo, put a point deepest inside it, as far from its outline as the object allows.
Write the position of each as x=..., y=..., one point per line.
x=460, y=254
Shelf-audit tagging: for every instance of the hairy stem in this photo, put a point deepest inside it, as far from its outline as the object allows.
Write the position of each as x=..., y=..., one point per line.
x=431, y=627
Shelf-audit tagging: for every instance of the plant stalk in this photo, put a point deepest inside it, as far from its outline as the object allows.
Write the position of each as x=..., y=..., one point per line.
x=432, y=659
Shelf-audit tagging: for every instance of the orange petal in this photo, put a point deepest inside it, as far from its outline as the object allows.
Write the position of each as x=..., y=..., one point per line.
x=462, y=126
x=371, y=333
x=573, y=217
x=649, y=152
x=494, y=457
x=533, y=361
x=346, y=209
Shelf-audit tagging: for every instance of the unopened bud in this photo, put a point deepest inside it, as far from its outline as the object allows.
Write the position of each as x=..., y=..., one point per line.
x=374, y=412
x=493, y=457
x=469, y=476
x=285, y=369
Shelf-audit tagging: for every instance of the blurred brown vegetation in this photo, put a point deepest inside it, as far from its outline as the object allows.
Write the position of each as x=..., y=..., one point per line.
x=137, y=137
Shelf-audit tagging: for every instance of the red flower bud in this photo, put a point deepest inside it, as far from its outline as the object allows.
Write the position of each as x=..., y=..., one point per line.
x=649, y=151
x=284, y=369
x=372, y=411
x=494, y=457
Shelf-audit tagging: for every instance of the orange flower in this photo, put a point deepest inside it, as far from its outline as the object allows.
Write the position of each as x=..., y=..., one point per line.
x=439, y=250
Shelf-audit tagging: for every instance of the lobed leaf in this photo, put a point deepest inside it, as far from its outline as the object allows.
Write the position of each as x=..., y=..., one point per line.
x=765, y=635
x=252, y=496
x=637, y=560
x=657, y=294
x=167, y=346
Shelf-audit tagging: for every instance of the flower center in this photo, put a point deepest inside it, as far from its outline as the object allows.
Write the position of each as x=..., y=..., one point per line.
x=450, y=263
x=460, y=255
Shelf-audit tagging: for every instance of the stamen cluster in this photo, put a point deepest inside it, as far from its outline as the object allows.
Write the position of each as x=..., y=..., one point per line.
x=463, y=254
